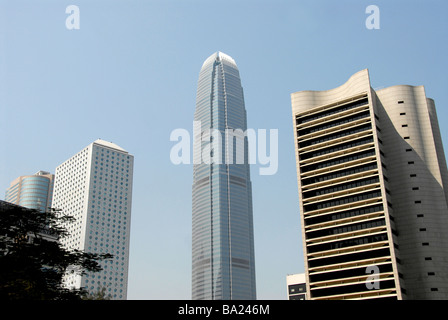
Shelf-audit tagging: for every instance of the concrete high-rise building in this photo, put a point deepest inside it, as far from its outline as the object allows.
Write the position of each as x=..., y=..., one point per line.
x=95, y=187
x=223, y=265
x=32, y=191
x=373, y=192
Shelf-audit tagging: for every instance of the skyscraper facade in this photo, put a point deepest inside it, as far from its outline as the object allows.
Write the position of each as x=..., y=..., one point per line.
x=223, y=265
x=32, y=191
x=95, y=187
x=372, y=183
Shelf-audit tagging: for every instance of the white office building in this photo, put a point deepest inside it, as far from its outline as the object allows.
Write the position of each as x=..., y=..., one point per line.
x=95, y=187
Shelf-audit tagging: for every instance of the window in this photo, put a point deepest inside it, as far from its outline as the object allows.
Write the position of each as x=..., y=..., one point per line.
x=410, y=162
x=402, y=113
x=413, y=175
x=400, y=102
x=404, y=125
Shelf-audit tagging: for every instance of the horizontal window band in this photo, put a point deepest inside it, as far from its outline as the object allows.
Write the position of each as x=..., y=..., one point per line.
x=329, y=106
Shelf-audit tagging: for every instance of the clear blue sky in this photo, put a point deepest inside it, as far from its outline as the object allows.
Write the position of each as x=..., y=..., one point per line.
x=129, y=76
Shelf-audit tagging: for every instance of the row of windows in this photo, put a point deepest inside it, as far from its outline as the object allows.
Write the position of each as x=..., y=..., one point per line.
x=338, y=160
x=346, y=228
x=101, y=158
x=37, y=183
x=350, y=257
x=342, y=146
x=331, y=111
x=355, y=288
x=336, y=135
x=334, y=123
x=340, y=201
x=347, y=243
x=338, y=174
x=340, y=187
x=355, y=272
x=344, y=214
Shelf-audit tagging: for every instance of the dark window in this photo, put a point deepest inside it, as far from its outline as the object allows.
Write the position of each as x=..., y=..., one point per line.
x=400, y=102
x=297, y=288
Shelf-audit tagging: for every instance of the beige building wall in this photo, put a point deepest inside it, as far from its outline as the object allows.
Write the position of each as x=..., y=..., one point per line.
x=306, y=103
x=412, y=174
x=417, y=175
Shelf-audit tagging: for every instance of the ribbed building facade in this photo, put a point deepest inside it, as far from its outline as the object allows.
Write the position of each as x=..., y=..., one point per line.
x=372, y=188
x=223, y=265
x=95, y=187
x=32, y=191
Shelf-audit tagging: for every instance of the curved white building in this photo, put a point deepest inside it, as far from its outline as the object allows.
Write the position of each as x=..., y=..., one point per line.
x=372, y=182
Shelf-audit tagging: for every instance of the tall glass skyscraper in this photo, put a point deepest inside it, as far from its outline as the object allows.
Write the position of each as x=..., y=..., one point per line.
x=223, y=265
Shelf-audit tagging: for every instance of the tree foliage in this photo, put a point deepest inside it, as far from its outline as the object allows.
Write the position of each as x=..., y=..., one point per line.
x=32, y=260
x=100, y=294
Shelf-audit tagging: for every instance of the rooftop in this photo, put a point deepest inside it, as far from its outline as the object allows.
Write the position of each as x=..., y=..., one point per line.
x=109, y=145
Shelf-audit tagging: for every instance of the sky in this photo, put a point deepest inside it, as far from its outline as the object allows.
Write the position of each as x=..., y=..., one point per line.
x=129, y=75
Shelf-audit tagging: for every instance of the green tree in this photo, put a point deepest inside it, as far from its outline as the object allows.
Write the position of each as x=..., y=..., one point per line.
x=100, y=294
x=32, y=260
